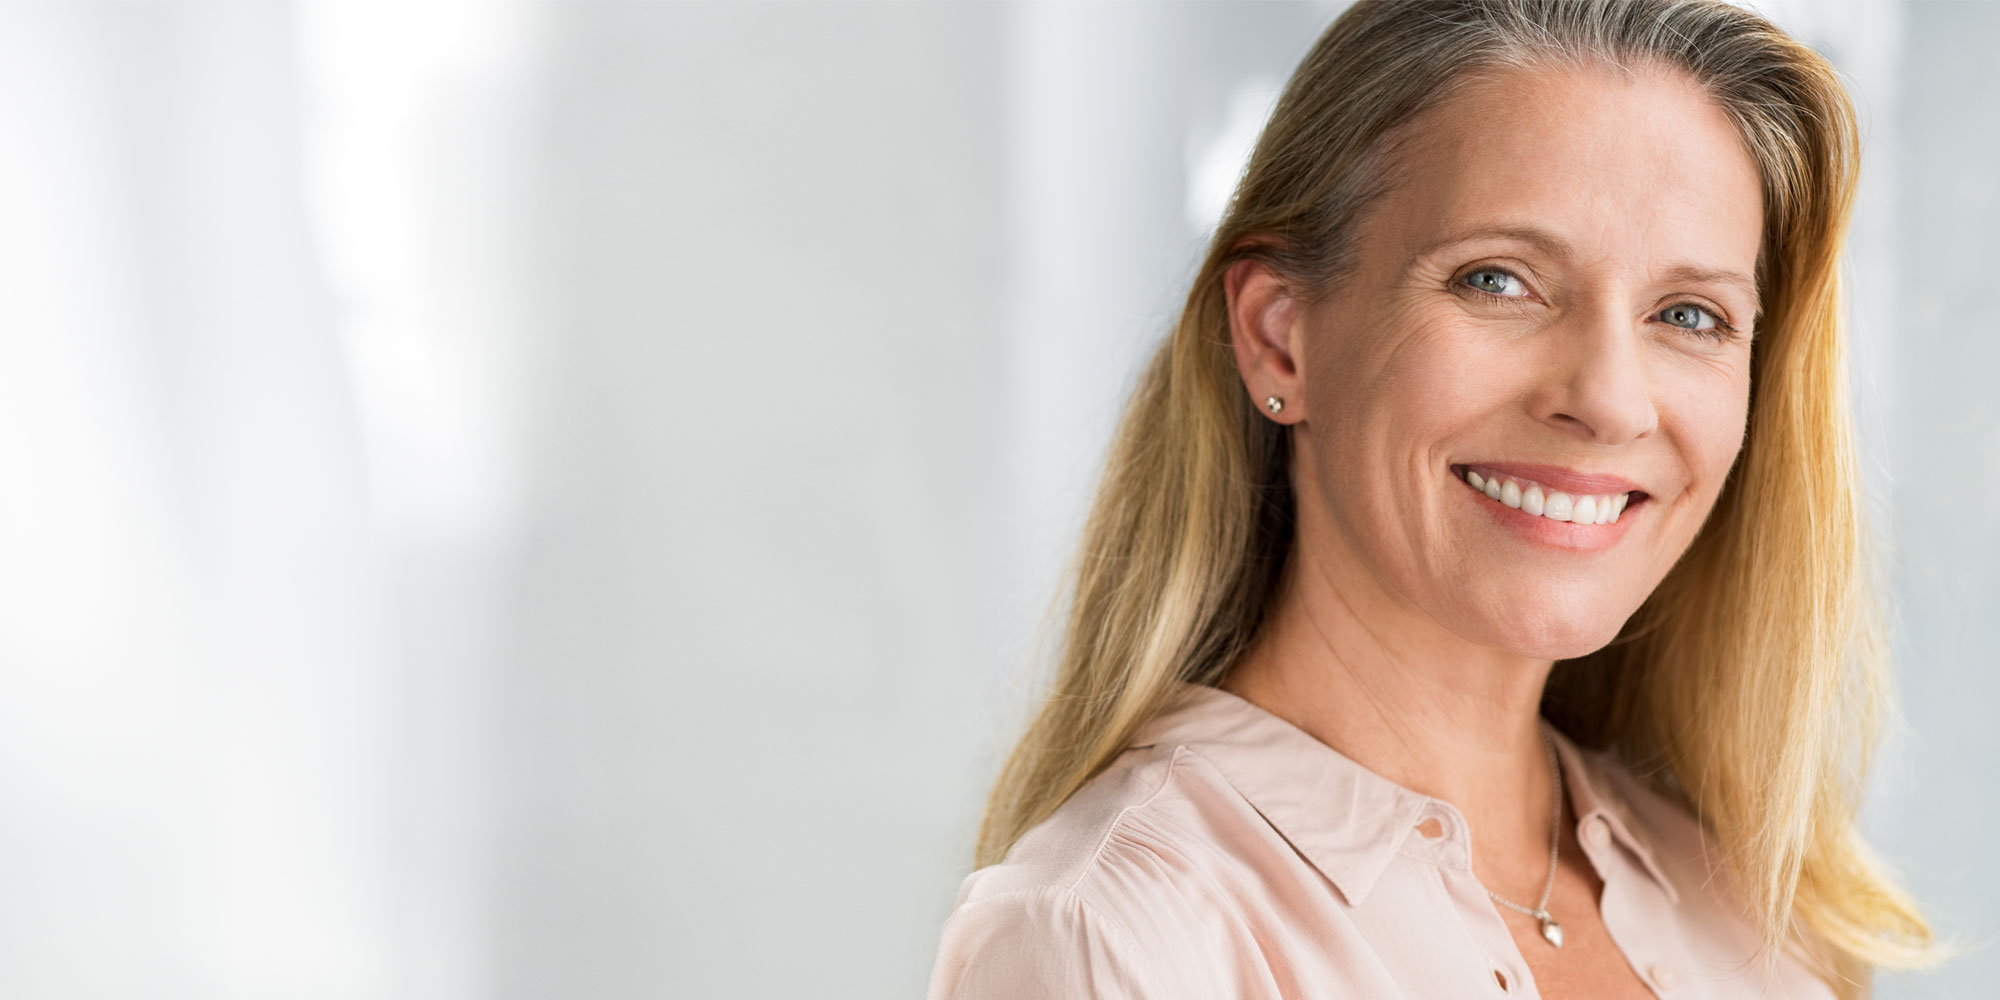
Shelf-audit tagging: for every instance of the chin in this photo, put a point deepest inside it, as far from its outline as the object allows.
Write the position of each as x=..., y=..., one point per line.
x=1549, y=633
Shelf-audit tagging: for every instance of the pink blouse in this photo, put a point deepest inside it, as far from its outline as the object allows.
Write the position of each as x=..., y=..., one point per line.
x=1228, y=854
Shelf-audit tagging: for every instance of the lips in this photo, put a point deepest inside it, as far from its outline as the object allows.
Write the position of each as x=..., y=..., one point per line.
x=1554, y=493
x=1555, y=477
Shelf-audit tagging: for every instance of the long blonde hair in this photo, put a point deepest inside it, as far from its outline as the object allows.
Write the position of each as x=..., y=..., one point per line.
x=1751, y=684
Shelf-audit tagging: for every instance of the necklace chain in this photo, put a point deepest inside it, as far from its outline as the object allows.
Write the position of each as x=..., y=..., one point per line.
x=1540, y=911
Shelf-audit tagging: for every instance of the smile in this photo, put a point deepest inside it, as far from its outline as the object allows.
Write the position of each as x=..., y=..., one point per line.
x=1530, y=497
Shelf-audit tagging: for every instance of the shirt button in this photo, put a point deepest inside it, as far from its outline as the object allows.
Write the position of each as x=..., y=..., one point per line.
x=1663, y=977
x=1597, y=833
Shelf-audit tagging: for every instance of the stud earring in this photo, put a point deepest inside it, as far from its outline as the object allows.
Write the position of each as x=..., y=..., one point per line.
x=1273, y=403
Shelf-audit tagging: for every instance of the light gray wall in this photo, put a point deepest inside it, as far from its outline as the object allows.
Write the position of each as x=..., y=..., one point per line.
x=1937, y=800
x=752, y=605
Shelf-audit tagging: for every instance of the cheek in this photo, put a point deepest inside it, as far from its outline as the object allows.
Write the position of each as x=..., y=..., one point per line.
x=1711, y=413
x=1400, y=372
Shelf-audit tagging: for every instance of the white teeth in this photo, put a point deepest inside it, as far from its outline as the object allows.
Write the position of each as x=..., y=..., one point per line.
x=1552, y=504
x=1558, y=506
x=1585, y=512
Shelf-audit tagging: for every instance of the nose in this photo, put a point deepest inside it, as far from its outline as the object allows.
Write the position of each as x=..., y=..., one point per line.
x=1595, y=385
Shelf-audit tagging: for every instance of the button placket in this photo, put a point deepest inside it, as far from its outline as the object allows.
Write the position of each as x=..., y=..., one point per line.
x=1476, y=917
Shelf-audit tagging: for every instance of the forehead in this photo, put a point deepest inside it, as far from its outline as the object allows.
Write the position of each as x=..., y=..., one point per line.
x=1637, y=168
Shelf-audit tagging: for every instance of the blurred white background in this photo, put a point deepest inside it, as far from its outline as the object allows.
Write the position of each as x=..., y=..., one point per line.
x=555, y=500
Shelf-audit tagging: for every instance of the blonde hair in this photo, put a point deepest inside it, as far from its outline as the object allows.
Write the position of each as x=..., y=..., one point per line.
x=1751, y=684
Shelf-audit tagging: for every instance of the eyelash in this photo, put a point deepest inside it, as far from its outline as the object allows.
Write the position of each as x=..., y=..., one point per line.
x=1722, y=331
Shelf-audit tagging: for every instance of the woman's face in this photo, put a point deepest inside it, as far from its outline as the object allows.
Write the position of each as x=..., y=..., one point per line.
x=1556, y=295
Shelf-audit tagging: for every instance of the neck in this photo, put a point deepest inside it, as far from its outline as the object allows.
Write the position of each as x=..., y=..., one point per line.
x=1377, y=680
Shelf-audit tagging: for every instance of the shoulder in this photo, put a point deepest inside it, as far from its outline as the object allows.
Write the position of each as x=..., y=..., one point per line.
x=1129, y=839
x=1040, y=940
x=1091, y=901
x=1101, y=833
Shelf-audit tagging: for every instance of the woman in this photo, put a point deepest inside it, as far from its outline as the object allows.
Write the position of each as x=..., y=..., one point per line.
x=1475, y=601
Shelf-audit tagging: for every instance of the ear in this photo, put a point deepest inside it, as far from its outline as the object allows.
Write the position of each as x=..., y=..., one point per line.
x=1266, y=327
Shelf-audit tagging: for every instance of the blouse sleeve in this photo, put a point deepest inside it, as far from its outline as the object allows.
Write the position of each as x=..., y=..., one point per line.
x=1037, y=943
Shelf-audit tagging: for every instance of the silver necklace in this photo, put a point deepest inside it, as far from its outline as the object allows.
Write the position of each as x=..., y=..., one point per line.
x=1550, y=929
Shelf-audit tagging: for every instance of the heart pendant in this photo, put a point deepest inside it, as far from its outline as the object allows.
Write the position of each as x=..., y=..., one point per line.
x=1553, y=931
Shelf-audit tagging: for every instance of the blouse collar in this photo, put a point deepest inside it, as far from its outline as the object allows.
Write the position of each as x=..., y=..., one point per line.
x=1348, y=821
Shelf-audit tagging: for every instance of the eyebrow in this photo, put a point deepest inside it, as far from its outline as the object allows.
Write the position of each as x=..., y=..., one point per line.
x=1555, y=246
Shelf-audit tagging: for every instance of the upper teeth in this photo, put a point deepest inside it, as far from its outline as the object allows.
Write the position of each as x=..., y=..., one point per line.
x=1555, y=505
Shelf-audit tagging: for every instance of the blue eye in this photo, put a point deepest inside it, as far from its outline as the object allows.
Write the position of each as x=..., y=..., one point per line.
x=1494, y=281
x=1689, y=316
